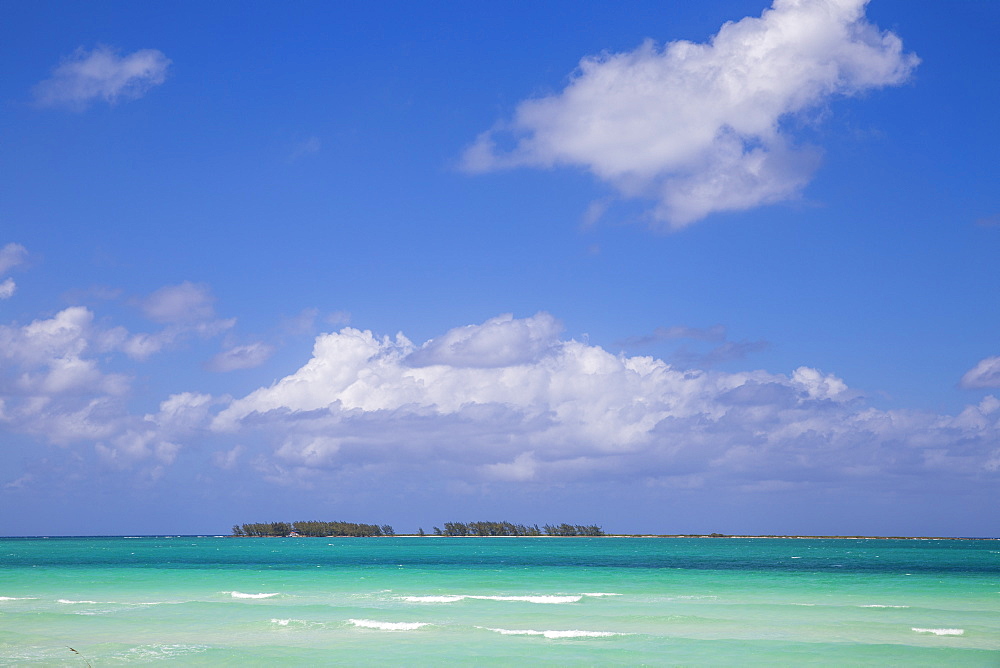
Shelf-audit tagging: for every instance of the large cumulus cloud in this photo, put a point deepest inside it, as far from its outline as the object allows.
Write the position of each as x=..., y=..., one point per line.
x=704, y=127
x=554, y=409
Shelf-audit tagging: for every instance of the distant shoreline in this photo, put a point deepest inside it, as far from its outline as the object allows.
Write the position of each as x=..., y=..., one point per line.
x=697, y=535
x=610, y=535
x=668, y=535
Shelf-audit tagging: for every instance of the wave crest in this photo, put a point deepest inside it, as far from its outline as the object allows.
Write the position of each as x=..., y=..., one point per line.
x=553, y=634
x=239, y=594
x=941, y=632
x=433, y=599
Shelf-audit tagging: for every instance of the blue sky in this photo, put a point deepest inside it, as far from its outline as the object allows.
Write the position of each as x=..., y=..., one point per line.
x=666, y=267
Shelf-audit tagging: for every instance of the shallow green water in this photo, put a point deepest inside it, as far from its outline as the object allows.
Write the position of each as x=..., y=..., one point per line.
x=499, y=601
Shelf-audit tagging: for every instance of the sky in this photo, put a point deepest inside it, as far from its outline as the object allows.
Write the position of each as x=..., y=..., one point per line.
x=666, y=267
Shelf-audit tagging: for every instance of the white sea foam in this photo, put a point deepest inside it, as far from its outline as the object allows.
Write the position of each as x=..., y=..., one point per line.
x=553, y=634
x=387, y=626
x=877, y=605
x=147, y=653
x=693, y=597
x=297, y=623
x=941, y=632
x=545, y=599
x=63, y=600
x=433, y=599
x=17, y=598
x=600, y=593
x=532, y=599
x=239, y=594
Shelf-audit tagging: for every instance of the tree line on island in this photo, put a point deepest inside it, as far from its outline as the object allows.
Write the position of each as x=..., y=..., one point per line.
x=509, y=529
x=333, y=529
x=325, y=529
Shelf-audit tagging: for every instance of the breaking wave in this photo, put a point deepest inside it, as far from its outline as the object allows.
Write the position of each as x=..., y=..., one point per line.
x=239, y=594
x=941, y=632
x=553, y=634
x=551, y=599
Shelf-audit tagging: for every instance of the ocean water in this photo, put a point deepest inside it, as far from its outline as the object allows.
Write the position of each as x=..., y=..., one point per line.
x=204, y=601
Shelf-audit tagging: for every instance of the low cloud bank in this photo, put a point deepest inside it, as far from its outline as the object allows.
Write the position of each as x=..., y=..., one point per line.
x=510, y=400
x=546, y=408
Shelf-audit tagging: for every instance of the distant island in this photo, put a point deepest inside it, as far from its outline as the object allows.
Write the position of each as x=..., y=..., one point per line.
x=477, y=529
x=351, y=529
x=509, y=529
x=313, y=528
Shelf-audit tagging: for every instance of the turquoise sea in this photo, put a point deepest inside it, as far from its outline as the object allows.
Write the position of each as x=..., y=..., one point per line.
x=204, y=601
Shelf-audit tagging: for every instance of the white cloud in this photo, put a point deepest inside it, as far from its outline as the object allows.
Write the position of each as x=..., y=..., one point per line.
x=66, y=335
x=185, y=309
x=557, y=410
x=179, y=304
x=181, y=413
x=338, y=318
x=52, y=385
x=55, y=384
x=500, y=341
x=816, y=385
x=508, y=401
x=241, y=357
x=986, y=374
x=701, y=127
x=102, y=74
x=50, y=382
x=11, y=255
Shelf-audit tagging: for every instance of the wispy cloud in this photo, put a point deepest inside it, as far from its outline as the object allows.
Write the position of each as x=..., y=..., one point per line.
x=183, y=303
x=701, y=128
x=241, y=357
x=685, y=357
x=727, y=351
x=11, y=256
x=184, y=309
x=986, y=374
x=304, y=148
x=713, y=333
x=102, y=74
